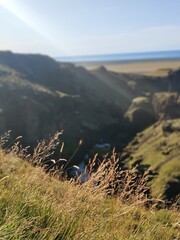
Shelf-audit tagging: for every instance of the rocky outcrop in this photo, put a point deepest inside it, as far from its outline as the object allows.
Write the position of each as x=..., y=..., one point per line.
x=140, y=114
x=166, y=104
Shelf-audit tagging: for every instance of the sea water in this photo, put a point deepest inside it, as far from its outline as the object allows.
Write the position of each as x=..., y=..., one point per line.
x=124, y=57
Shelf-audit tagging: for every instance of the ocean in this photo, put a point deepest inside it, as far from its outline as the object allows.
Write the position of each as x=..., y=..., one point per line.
x=123, y=57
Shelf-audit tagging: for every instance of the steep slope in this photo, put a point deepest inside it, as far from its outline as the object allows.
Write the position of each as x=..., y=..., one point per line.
x=158, y=147
x=34, y=105
x=34, y=205
x=34, y=111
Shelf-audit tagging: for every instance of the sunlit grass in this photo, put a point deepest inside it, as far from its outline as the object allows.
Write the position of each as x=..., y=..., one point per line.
x=161, y=151
x=34, y=205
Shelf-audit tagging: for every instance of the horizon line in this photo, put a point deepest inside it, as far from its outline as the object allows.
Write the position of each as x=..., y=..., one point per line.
x=117, y=53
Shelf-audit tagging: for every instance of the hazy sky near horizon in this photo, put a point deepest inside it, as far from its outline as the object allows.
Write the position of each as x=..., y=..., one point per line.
x=85, y=27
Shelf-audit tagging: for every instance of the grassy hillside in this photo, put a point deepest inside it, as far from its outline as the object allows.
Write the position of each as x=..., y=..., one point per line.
x=158, y=147
x=34, y=205
x=39, y=96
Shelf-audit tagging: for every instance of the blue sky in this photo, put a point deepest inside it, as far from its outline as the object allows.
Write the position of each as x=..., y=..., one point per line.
x=85, y=27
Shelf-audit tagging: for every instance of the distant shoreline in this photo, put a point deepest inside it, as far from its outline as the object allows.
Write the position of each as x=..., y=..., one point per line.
x=156, y=67
x=127, y=61
x=147, y=63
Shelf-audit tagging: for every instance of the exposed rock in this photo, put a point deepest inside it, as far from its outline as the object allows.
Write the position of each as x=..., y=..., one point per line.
x=141, y=113
x=166, y=104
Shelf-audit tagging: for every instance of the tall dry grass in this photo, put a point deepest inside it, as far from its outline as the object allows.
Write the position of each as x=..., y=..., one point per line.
x=37, y=205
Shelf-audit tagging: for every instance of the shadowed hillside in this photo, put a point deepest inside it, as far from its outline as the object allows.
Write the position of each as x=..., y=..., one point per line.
x=50, y=94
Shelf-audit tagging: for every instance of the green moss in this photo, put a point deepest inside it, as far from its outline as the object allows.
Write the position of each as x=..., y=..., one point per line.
x=160, y=150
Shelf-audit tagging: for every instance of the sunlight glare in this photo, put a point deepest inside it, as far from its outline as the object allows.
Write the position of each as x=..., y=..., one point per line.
x=15, y=8
x=2, y=2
